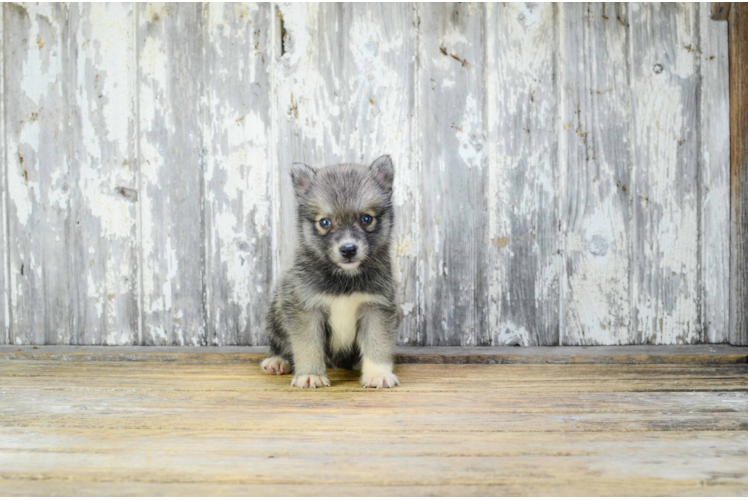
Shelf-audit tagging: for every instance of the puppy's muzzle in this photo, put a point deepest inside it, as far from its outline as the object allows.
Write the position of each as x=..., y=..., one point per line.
x=348, y=251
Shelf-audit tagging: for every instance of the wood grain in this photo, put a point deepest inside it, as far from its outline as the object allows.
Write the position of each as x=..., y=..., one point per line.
x=739, y=175
x=5, y=323
x=104, y=187
x=629, y=355
x=344, y=92
x=237, y=195
x=664, y=185
x=720, y=11
x=595, y=175
x=714, y=180
x=170, y=145
x=43, y=283
x=561, y=171
x=451, y=102
x=522, y=193
x=217, y=429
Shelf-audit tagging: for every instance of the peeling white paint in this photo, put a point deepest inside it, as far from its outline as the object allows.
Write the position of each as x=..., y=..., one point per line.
x=471, y=134
x=21, y=189
x=666, y=295
x=511, y=334
x=715, y=177
x=480, y=126
x=522, y=190
x=593, y=148
x=238, y=184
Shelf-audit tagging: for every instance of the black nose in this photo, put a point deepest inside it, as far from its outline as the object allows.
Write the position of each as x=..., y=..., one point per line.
x=348, y=250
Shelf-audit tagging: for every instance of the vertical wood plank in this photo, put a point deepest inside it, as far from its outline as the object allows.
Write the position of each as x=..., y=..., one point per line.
x=720, y=11
x=42, y=284
x=634, y=173
x=237, y=182
x=524, y=239
x=170, y=73
x=739, y=174
x=5, y=319
x=451, y=106
x=103, y=172
x=402, y=111
x=595, y=155
x=665, y=184
x=714, y=203
x=344, y=93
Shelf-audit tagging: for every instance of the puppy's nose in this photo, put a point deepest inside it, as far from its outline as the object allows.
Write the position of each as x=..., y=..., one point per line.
x=348, y=250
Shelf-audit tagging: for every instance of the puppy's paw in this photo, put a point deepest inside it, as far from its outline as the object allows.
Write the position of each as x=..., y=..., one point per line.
x=276, y=366
x=310, y=381
x=382, y=380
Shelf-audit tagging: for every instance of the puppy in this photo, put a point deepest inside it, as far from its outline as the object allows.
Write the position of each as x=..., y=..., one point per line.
x=335, y=306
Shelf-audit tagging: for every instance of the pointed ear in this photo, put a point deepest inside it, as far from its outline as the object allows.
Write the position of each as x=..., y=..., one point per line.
x=302, y=176
x=383, y=171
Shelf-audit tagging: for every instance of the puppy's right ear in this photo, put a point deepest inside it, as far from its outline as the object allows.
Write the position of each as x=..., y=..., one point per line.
x=383, y=171
x=302, y=176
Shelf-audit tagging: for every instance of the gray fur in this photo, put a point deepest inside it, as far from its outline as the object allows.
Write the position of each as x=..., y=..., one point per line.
x=299, y=329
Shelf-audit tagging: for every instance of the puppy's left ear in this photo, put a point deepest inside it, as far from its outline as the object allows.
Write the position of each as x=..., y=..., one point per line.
x=383, y=171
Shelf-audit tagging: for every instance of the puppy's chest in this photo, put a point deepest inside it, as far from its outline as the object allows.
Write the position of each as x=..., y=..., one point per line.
x=343, y=317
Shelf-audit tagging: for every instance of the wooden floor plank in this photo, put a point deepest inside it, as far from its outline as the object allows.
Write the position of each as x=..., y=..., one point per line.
x=18, y=487
x=631, y=354
x=199, y=428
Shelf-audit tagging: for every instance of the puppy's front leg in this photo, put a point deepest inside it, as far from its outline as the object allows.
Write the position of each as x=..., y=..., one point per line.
x=376, y=341
x=307, y=333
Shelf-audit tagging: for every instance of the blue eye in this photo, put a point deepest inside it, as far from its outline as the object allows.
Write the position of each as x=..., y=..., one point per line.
x=366, y=219
x=325, y=223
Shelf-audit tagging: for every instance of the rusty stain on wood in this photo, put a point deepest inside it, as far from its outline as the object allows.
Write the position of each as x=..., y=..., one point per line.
x=463, y=62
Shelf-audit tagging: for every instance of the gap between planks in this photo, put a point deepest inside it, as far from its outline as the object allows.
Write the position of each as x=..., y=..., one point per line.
x=698, y=354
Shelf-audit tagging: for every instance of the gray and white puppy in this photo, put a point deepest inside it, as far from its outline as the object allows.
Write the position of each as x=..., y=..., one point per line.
x=336, y=305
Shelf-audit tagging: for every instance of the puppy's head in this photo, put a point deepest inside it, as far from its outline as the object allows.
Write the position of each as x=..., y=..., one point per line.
x=345, y=211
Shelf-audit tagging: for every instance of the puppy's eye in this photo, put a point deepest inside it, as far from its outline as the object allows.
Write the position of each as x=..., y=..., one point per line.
x=325, y=223
x=366, y=219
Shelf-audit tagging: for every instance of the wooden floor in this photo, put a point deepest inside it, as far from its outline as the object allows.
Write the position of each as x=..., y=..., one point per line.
x=194, y=428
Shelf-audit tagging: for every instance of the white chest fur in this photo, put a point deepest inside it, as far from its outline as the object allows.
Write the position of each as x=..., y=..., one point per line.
x=344, y=310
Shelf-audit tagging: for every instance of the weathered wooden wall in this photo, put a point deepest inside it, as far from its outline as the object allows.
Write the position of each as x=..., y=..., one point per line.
x=738, y=18
x=562, y=176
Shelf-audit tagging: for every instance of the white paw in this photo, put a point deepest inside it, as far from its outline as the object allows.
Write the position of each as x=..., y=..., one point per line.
x=385, y=380
x=310, y=381
x=276, y=366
